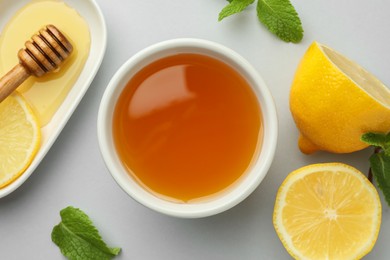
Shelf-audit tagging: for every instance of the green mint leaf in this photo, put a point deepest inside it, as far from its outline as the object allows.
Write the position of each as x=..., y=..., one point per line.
x=379, y=140
x=234, y=6
x=380, y=167
x=78, y=239
x=375, y=139
x=280, y=17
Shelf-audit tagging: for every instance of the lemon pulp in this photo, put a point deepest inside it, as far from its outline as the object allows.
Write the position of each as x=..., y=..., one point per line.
x=47, y=93
x=360, y=76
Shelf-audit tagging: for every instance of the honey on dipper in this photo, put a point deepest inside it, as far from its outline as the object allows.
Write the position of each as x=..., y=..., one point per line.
x=43, y=54
x=47, y=93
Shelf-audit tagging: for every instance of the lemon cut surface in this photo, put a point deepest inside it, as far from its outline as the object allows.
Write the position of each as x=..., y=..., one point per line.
x=19, y=138
x=327, y=211
x=334, y=102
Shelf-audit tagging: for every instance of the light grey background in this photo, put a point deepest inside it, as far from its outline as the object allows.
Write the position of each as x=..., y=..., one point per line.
x=73, y=172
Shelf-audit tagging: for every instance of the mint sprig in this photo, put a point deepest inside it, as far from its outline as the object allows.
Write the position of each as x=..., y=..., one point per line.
x=279, y=16
x=234, y=7
x=78, y=239
x=380, y=160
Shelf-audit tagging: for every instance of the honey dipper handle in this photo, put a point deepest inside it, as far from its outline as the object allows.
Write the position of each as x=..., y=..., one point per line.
x=12, y=80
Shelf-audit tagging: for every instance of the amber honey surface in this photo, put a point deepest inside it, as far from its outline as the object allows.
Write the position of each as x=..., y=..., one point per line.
x=187, y=126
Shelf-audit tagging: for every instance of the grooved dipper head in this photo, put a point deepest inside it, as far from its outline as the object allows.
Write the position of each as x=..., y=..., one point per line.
x=45, y=52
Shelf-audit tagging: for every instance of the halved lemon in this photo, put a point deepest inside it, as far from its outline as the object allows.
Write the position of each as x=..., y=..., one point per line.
x=327, y=211
x=19, y=138
x=334, y=101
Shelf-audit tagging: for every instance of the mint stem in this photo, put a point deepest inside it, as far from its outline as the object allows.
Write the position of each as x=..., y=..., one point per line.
x=370, y=175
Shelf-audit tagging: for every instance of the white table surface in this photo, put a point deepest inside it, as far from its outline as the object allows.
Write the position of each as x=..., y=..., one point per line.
x=73, y=172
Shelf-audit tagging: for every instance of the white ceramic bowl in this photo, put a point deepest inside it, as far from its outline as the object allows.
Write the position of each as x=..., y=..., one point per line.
x=216, y=204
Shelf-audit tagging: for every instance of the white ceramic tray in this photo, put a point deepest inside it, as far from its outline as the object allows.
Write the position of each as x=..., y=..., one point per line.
x=91, y=12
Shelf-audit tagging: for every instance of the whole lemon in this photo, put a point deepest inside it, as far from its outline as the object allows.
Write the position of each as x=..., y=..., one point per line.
x=334, y=101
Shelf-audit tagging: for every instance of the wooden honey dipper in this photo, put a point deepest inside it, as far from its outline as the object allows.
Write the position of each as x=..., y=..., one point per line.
x=43, y=54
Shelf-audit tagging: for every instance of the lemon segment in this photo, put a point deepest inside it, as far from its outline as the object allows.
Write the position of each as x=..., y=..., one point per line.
x=19, y=138
x=334, y=102
x=327, y=211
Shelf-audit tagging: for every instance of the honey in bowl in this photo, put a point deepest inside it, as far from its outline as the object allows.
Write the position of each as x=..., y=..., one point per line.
x=187, y=126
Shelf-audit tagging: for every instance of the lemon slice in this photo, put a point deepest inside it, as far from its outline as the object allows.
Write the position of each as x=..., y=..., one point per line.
x=19, y=138
x=334, y=102
x=327, y=211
